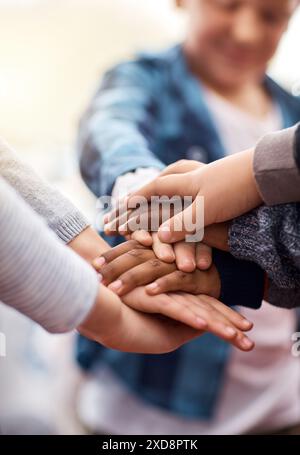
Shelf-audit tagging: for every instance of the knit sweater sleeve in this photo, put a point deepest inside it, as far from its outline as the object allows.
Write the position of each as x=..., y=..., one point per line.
x=59, y=213
x=270, y=237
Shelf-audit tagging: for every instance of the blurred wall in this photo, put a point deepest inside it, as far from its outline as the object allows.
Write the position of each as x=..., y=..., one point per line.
x=53, y=52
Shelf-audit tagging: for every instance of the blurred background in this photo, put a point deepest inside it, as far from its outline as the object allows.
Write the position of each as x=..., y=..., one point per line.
x=53, y=53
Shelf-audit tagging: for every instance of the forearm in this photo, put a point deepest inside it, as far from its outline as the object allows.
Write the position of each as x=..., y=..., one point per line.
x=59, y=213
x=103, y=159
x=105, y=319
x=117, y=131
x=89, y=245
x=40, y=277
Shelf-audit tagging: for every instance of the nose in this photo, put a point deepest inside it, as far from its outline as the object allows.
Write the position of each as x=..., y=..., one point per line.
x=247, y=28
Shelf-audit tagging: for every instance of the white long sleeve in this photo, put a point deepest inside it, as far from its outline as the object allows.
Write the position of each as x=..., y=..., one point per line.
x=39, y=275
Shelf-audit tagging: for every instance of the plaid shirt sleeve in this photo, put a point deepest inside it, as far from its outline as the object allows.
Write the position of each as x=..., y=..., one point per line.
x=117, y=131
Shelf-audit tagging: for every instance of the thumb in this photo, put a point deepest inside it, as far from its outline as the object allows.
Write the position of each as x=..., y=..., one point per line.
x=182, y=167
x=187, y=225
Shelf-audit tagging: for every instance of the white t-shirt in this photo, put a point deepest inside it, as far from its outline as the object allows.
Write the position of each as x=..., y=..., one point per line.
x=261, y=389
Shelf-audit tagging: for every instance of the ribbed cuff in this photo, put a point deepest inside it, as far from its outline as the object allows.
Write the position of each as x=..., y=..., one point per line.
x=70, y=226
x=242, y=282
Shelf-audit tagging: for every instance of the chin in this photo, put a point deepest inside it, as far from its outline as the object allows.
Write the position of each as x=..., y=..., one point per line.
x=229, y=82
x=232, y=78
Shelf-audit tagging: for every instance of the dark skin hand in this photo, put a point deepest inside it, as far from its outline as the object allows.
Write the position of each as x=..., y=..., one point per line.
x=131, y=264
x=219, y=319
x=216, y=236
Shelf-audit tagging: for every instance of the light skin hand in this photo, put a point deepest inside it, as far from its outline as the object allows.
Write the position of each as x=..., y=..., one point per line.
x=124, y=221
x=209, y=314
x=187, y=256
x=229, y=190
x=227, y=185
x=122, y=327
x=88, y=244
x=117, y=326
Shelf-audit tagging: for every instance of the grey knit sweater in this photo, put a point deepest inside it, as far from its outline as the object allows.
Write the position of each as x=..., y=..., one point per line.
x=270, y=235
x=39, y=276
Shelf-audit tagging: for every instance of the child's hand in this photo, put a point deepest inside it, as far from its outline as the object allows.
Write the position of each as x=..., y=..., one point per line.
x=216, y=236
x=117, y=326
x=188, y=256
x=128, y=327
x=130, y=265
x=88, y=244
x=227, y=185
x=124, y=221
x=201, y=312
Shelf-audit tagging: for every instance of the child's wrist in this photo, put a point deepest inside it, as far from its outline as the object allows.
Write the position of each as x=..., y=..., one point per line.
x=104, y=317
x=88, y=244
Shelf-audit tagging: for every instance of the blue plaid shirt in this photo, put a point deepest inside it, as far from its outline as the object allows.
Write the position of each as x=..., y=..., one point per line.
x=151, y=112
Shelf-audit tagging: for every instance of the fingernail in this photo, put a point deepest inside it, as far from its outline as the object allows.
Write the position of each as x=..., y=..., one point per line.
x=122, y=228
x=168, y=255
x=189, y=262
x=201, y=323
x=116, y=285
x=246, y=343
x=99, y=262
x=165, y=233
x=152, y=287
x=202, y=263
x=230, y=331
x=187, y=265
x=106, y=227
x=247, y=324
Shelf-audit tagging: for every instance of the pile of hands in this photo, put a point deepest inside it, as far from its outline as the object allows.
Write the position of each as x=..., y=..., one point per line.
x=173, y=282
